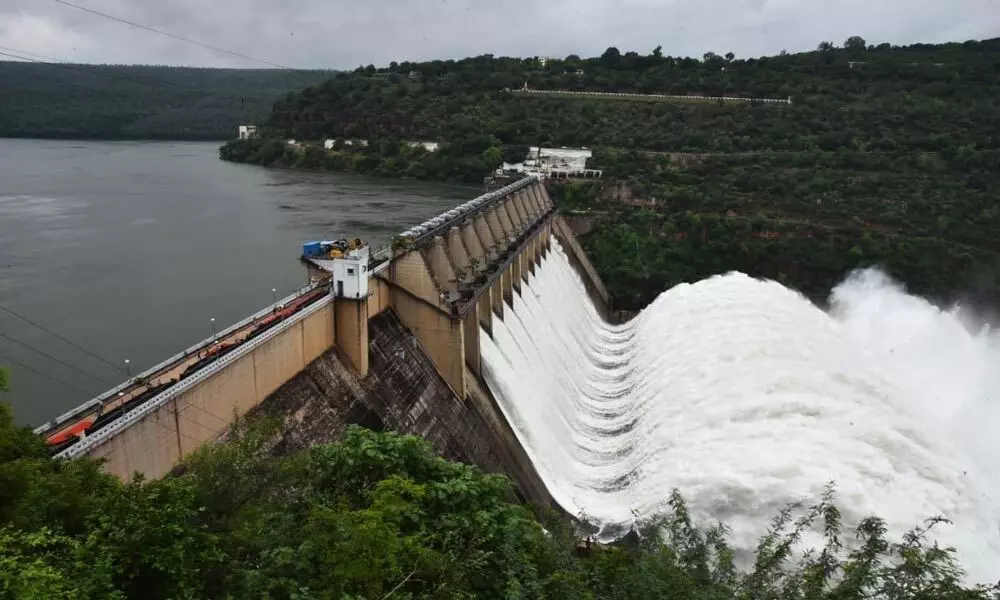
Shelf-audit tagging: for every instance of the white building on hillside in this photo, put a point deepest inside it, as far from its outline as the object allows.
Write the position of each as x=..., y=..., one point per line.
x=248, y=132
x=560, y=158
x=428, y=146
x=554, y=162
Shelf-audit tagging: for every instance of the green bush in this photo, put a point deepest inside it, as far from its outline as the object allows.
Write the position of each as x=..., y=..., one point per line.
x=380, y=515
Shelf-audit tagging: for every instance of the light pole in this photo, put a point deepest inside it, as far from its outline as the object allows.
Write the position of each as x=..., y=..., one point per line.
x=128, y=369
x=213, y=327
x=274, y=296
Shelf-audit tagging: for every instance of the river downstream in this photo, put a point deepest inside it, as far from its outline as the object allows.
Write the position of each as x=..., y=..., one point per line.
x=130, y=249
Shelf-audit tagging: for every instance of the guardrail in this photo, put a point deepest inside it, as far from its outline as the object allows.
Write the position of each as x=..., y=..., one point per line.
x=657, y=97
x=443, y=222
x=95, y=402
x=159, y=400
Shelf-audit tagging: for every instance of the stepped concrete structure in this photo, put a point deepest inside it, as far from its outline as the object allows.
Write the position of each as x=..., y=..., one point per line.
x=391, y=342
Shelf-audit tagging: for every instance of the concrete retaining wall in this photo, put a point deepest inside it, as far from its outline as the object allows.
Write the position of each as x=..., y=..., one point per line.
x=441, y=335
x=403, y=392
x=579, y=259
x=153, y=444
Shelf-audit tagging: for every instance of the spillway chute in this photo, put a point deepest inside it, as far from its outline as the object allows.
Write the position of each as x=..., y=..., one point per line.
x=745, y=396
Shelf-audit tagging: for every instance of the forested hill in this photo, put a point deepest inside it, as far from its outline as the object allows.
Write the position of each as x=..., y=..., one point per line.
x=138, y=102
x=886, y=156
x=859, y=97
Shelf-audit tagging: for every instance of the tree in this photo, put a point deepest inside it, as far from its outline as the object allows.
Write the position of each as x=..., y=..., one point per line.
x=492, y=157
x=611, y=56
x=311, y=157
x=825, y=46
x=380, y=515
x=730, y=56
x=658, y=52
x=855, y=42
x=4, y=386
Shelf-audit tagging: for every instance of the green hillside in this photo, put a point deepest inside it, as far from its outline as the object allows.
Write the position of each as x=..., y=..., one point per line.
x=923, y=97
x=886, y=156
x=138, y=102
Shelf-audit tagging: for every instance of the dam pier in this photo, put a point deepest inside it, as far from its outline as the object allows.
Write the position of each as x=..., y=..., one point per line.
x=389, y=339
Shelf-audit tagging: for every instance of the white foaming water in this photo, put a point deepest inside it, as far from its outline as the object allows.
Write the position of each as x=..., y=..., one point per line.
x=745, y=396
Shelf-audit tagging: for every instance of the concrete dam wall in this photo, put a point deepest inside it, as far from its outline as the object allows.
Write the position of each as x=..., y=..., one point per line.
x=400, y=351
x=403, y=392
x=201, y=408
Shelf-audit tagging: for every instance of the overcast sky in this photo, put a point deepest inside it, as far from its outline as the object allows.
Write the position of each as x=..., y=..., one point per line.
x=348, y=33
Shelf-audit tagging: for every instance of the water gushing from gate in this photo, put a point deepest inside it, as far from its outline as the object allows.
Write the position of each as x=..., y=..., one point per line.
x=745, y=396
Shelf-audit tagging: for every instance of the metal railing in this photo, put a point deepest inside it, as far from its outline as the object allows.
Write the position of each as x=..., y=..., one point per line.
x=159, y=400
x=415, y=236
x=149, y=373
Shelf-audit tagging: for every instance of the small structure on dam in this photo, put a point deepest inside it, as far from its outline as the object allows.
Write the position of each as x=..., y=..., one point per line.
x=388, y=338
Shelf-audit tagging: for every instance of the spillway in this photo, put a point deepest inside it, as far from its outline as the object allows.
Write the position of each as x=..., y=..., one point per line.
x=745, y=396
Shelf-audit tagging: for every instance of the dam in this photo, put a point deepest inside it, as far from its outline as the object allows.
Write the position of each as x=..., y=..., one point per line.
x=390, y=338
x=487, y=332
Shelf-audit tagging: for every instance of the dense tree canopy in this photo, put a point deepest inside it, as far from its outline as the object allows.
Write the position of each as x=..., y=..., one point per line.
x=887, y=156
x=922, y=97
x=138, y=102
x=379, y=516
x=469, y=161
x=805, y=219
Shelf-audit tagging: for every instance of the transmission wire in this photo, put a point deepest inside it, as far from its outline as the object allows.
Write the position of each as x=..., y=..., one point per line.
x=173, y=35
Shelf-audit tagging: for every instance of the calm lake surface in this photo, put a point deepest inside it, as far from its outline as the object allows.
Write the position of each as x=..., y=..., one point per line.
x=129, y=249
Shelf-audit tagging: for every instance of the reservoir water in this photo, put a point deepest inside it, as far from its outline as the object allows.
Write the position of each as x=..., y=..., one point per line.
x=129, y=249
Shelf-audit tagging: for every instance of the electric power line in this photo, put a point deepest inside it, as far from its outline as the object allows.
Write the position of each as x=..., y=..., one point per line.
x=57, y=336
x=50, y=357
x=45, y=375
x=173, y=35
x=34, y=54
x=71, y=386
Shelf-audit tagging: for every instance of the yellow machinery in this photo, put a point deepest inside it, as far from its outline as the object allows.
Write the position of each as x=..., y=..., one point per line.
x=341, y=248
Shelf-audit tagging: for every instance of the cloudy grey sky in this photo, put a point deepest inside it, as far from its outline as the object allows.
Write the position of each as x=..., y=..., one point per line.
x=347, y=33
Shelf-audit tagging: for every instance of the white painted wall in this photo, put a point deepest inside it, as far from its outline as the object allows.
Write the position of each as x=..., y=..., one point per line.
x=248, y=132
x=350, y=275
x=570, y=159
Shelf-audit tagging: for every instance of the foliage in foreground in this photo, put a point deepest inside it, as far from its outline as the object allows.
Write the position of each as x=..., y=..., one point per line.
x=380, y=516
